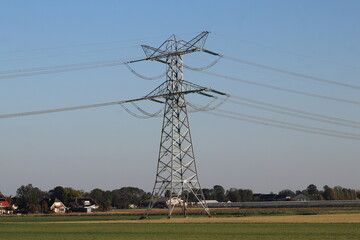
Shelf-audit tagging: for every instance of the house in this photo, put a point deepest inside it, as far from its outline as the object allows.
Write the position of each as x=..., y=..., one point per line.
x=284, y=197
x=267, y=197
x=5, y=207
x=53, y=205
x=256, y=197
x=301, y=198
x=84, y=204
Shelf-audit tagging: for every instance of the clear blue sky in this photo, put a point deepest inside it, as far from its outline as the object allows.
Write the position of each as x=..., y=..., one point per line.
x=108, y=148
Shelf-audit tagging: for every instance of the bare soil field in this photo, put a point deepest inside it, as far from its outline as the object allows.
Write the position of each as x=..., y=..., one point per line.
x=325, y=218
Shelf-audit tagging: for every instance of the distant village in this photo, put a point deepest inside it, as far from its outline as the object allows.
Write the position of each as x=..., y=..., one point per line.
x=30, y=199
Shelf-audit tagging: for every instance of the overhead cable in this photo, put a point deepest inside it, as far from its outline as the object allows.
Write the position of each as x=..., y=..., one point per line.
x=28, y=70
x=281, y=88
x=79, y=45
x=287, y=51
x=297, y=110
x=288, y=123
x=324, y=120
x=67, y=69
x=60, y=109
x=300, y=128
x=293, y=73
x=153, y=98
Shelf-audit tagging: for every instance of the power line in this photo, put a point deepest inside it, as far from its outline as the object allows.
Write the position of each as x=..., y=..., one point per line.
x=279, y=124
x=288, y=123
x=280, y=88
x=272, y=122
x=288, y=52
x=153, y=97
x=64, y=54
x=60, y=69
x=76, y=45
x=26, y=70
x=22, y=114
x=297, y=110
x=293, y=73
x=297, y=113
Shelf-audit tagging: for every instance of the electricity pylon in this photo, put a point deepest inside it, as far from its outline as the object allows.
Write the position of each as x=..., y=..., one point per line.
x=176, y=174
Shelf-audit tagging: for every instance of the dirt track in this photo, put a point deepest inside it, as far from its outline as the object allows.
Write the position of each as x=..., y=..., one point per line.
x=326, y=218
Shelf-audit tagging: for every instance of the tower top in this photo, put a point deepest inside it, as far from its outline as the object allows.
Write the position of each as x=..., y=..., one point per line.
x=174, y=47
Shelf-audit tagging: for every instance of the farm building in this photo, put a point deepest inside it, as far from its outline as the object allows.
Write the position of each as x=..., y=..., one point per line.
x=5, y=207
x=301, y=198
x=84, y=204
x=53, y=205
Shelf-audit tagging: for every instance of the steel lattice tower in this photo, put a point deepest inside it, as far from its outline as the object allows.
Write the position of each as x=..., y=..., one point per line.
x=176, y=174
x=176, y=169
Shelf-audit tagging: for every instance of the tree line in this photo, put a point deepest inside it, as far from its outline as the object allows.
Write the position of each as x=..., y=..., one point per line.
x=28, y=197
x=219, y=194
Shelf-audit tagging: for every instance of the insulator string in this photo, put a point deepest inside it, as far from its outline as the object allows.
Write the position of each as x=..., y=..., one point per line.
x=142, y=76
x=205, y=67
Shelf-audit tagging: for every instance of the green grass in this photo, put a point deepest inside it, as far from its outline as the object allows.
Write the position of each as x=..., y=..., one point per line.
x=56, y=227
x=282, y=211
x=65, y=218
x=159, y=231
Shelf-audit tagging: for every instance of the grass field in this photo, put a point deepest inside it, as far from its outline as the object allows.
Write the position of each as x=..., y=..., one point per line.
x=127, y=226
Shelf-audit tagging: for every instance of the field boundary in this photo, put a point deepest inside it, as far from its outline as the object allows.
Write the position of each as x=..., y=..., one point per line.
x=325, y=218
x=287, y=204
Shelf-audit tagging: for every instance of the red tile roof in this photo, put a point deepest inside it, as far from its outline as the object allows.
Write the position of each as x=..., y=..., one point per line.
x=4, y=203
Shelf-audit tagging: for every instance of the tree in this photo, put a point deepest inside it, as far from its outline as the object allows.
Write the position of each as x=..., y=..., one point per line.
x=219, y=193
x=44, y=206
x=298, y=192
x=286, y=192
x=313, y=192
x=246, y=195
x=328, y=193
x=352, y=194
x=70, y=194
x=208, y=194
x=65, y=195
x=28, y=198
x=58, y=192
x=126, y=196
x=1, y=195
x=312, y=189
x=102, y=198
x=190, y=196
x=339, y=193
x=233, y=196
x=344, y=193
